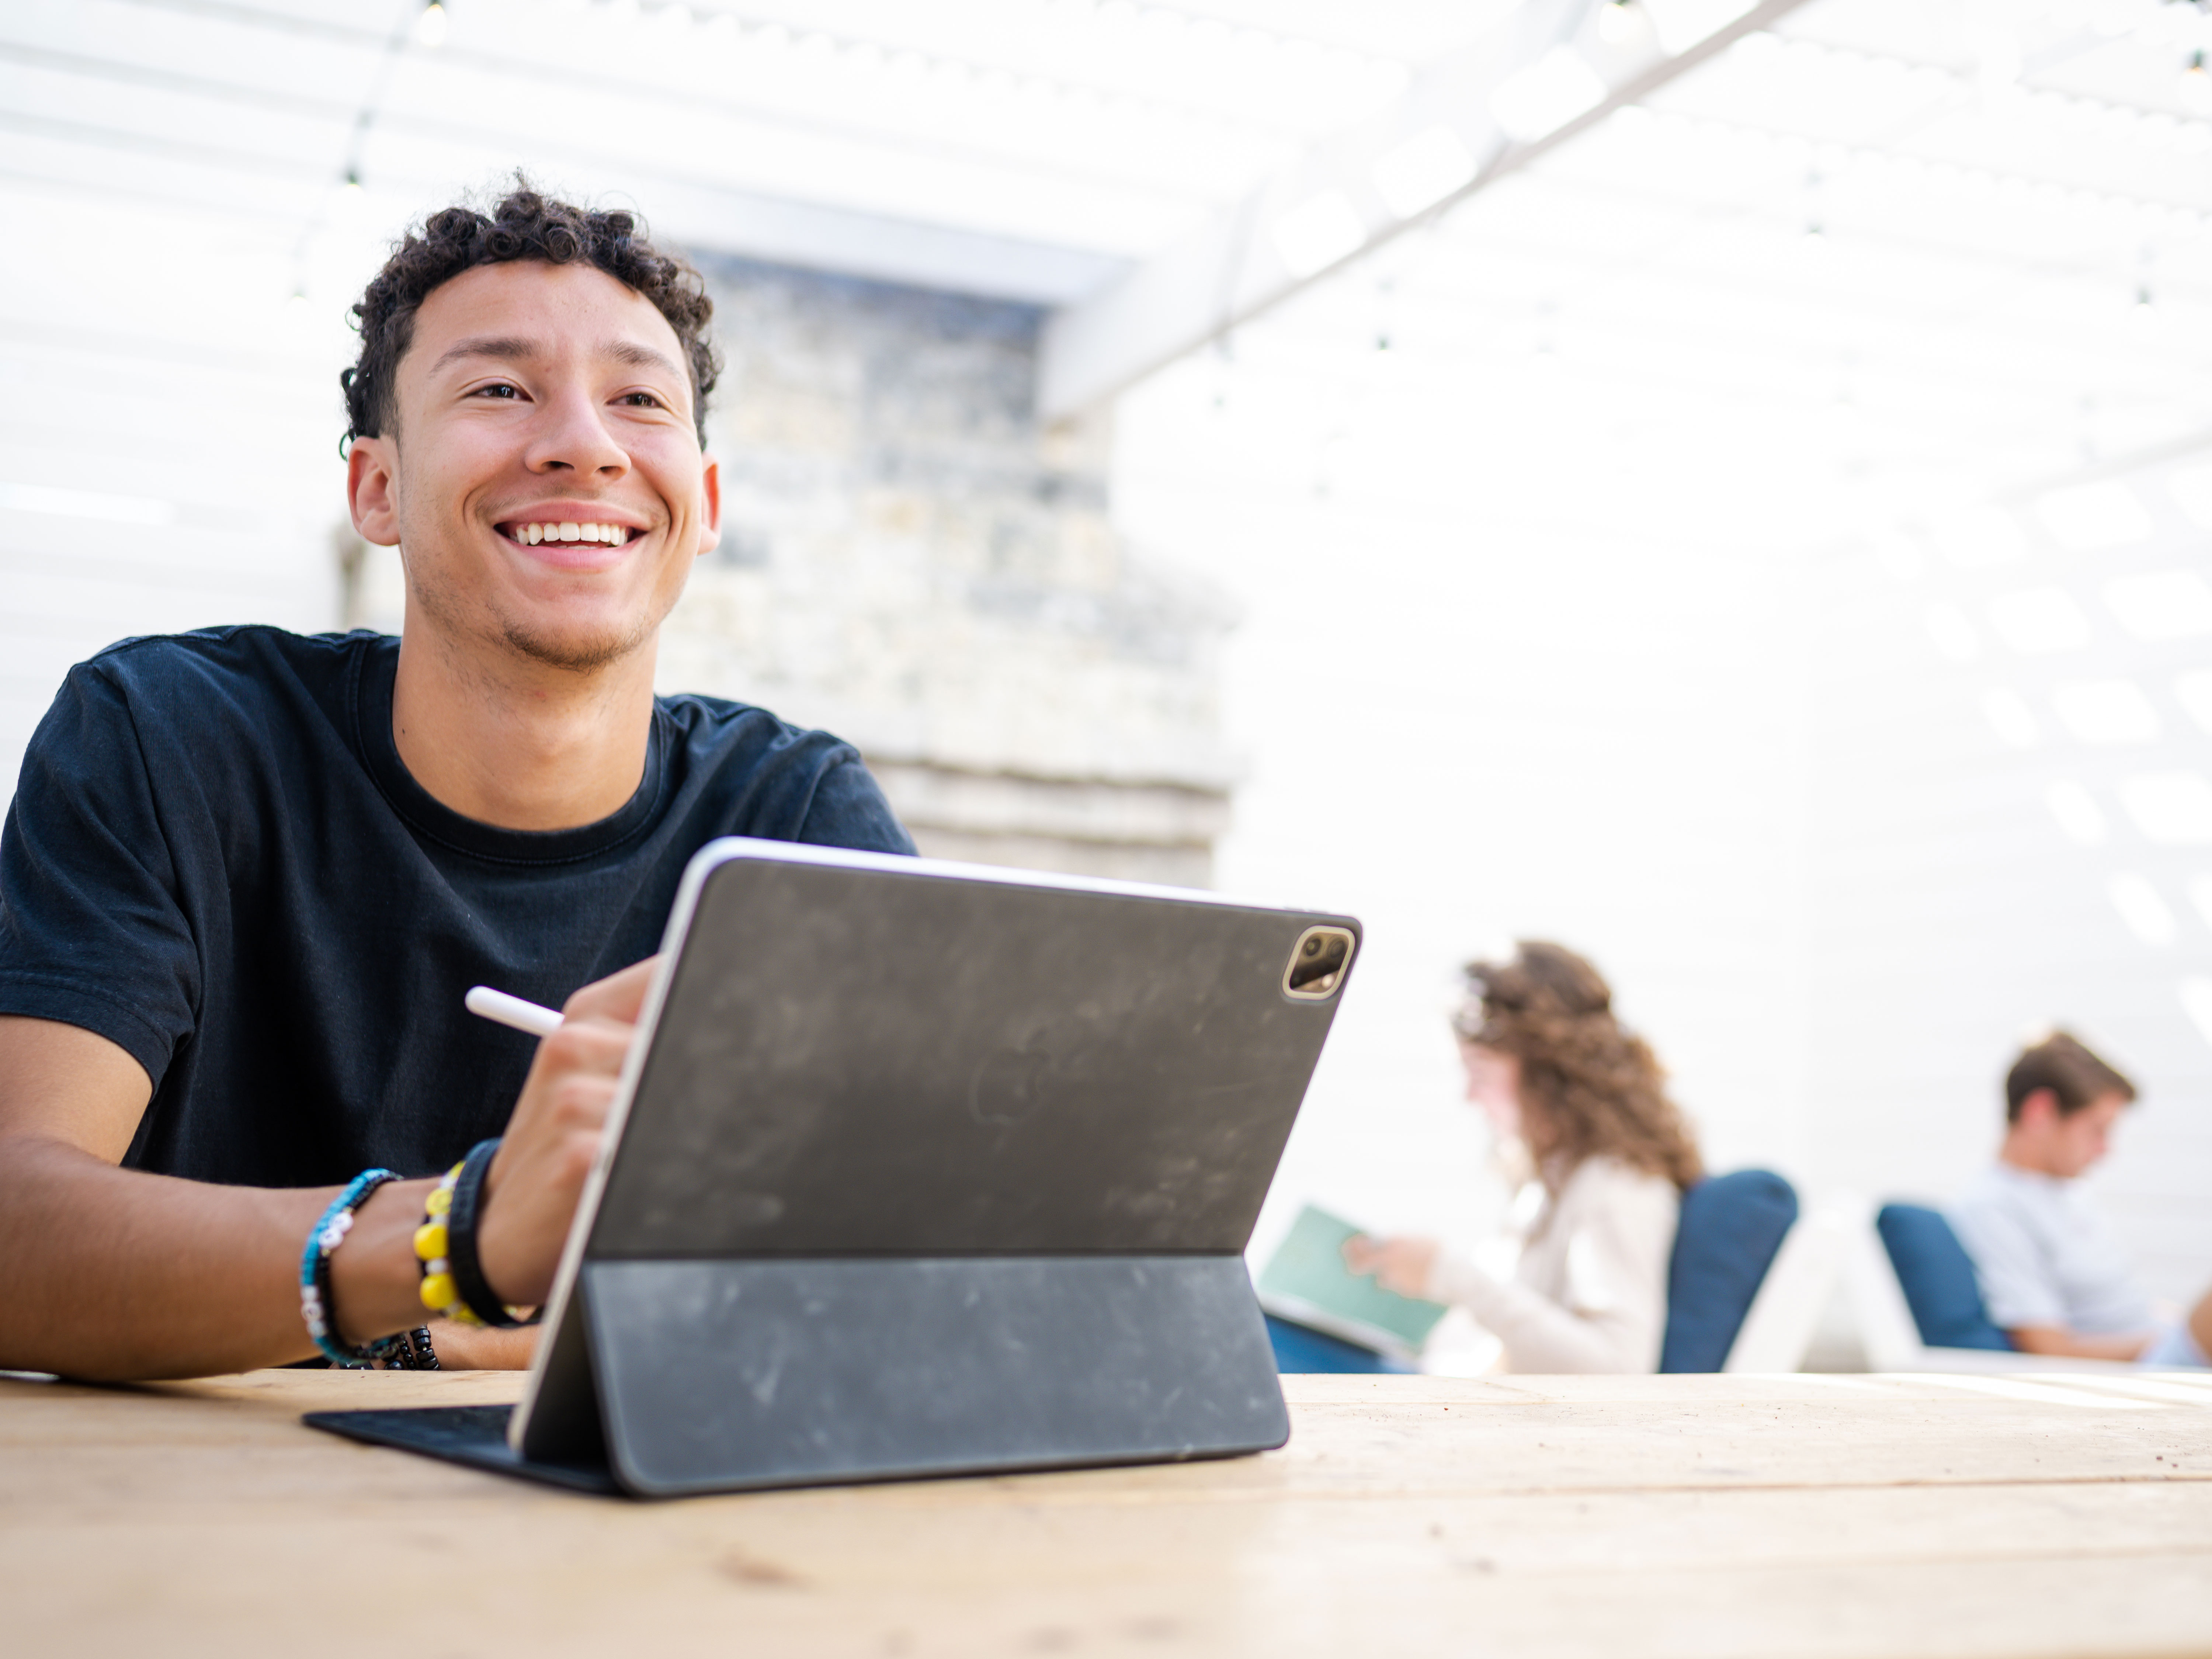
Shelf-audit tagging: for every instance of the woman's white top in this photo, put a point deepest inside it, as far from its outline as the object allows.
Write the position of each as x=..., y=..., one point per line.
x=1589, y=1291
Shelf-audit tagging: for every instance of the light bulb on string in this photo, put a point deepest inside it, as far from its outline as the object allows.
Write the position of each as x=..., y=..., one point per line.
x=430, y=27
x=1617, y=22
x=1815, y=239
x=347, y=203
x=2197, y=85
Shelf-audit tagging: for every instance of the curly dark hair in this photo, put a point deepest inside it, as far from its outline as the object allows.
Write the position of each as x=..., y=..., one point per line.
x=1590, y=1086
x=522, y=225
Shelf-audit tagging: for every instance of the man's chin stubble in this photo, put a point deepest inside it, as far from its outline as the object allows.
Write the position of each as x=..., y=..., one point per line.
x=575, y=656
x=571, y=655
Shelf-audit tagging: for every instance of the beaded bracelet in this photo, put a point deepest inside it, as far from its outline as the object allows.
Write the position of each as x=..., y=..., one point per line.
x=453, y=1283
x=323, y=1240
x=408, y=1351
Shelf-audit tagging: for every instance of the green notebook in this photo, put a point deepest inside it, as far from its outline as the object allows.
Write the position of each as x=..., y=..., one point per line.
x=1307, y=1283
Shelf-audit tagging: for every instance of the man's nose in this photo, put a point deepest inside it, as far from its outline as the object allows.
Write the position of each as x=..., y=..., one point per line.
x=572, y=433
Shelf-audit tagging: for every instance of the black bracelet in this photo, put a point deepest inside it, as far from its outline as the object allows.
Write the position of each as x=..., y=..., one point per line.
x=408, y=1351
x=461, y=1219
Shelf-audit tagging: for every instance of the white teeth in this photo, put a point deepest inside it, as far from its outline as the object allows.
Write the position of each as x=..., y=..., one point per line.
x=531, y=535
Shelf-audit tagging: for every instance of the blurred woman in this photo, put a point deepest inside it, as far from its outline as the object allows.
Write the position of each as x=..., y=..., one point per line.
x=1579, y=1103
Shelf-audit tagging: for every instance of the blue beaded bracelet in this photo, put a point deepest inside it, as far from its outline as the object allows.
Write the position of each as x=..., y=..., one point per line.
x=315, y=1304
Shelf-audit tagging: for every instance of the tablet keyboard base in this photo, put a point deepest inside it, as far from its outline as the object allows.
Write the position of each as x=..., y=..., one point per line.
x=715, y=1375
x=474, y=1435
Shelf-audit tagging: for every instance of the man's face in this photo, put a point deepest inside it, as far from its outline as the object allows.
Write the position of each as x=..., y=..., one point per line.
x=2066, y=1143
x=544, y=481
x=2082, y=1139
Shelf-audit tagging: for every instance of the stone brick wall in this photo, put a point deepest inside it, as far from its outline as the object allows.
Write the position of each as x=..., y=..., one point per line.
x=910, y=561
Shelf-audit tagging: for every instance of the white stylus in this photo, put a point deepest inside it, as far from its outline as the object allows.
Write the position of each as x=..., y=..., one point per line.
x=512, y=1010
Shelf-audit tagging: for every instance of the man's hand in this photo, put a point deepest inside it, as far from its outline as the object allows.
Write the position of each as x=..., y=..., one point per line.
x=532, y=1186
x=1397, y=1264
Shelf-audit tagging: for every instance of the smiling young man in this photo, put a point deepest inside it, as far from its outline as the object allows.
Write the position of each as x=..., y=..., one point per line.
x=248, y=875
x=2053, y=1277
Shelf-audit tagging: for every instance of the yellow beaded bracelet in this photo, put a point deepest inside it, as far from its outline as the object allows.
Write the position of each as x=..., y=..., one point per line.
x=439, y=1292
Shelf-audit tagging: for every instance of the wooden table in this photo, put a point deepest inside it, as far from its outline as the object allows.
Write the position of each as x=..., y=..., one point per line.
x=1705, y=1516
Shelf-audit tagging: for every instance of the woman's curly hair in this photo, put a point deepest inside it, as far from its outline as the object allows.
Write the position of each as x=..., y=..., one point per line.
x=522, y=225
x=1590, y=1087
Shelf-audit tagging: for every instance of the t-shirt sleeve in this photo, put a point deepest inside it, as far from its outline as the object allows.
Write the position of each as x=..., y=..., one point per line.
x=849, y=810
x=91, y=930
x=2020, y=1283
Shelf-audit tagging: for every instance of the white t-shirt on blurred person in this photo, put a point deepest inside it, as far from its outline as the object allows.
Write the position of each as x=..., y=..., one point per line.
x=2044, y=1257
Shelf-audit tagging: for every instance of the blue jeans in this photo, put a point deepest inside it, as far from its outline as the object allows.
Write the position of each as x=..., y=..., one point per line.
x=2174, y=1350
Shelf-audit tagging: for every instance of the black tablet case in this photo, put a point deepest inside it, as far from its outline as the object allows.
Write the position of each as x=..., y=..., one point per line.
x=925, y=1173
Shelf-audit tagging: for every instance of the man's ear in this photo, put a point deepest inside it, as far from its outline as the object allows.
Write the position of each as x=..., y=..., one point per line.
x=2039, y=1108
x=710, y=497
x=371, y=466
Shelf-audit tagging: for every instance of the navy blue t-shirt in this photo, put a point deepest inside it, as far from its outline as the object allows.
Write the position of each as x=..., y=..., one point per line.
x=216, y=859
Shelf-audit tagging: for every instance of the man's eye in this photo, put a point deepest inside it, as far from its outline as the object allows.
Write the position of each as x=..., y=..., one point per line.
x=499, y=389
x=641, y=400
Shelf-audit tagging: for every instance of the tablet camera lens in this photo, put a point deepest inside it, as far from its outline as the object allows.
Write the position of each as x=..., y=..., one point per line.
x=1317, y=963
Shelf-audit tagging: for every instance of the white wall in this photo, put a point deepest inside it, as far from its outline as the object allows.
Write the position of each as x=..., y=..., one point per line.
x=168, y=458
x=1468, y=716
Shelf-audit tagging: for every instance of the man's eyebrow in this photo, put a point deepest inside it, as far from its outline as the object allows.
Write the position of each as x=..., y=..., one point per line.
x=638, y=356
x=511, y=349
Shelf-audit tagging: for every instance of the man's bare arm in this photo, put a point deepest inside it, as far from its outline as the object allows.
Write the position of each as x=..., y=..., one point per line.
x=117, y=1273
x=2056, y=1341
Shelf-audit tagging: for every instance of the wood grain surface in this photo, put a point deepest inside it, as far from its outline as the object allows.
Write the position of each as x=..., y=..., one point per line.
x=1623, y=1515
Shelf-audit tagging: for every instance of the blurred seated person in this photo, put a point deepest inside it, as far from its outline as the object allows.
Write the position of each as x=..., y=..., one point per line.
x=2053, y=1277
x=1579, y=1108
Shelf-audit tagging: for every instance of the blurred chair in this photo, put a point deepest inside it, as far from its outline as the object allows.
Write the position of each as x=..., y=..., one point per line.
x=1918, y=1307
x=1300, y=1349
x=1729, y=1239
x=1937, y=1277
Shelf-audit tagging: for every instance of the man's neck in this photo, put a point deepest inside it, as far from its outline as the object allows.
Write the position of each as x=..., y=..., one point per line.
x=518, y=743
x=2018, y=1155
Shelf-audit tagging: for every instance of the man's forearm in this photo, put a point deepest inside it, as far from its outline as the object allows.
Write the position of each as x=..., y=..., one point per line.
x=2056, y=1341
x=117, y=1273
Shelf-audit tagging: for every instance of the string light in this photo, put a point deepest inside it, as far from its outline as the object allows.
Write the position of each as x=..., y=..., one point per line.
x=430, y=27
